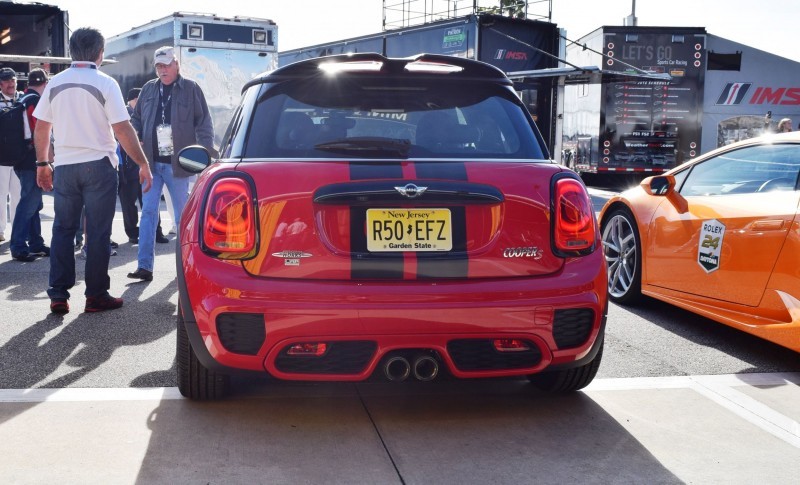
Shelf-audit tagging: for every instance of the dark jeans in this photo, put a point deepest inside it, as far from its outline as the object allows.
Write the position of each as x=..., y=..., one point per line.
x=92, y=185
x=26, y=232
x=130, y=191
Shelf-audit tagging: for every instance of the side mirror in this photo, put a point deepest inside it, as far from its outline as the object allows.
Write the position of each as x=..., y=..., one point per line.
x=664, y=186
x=659, y=185
x=194, y=158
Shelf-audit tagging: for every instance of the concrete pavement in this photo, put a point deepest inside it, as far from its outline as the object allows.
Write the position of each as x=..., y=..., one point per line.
x=74, y=421
x=703, y=429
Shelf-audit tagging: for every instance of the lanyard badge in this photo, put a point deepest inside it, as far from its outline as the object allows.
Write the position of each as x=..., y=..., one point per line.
x=164, y=138
x=164, y=130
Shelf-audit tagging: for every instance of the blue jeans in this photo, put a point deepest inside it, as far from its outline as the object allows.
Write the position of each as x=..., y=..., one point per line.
x=179, y=191
x=26, y=232
x=93, y=186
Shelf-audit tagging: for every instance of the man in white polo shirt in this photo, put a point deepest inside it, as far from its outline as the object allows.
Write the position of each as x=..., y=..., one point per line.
x=85, y=111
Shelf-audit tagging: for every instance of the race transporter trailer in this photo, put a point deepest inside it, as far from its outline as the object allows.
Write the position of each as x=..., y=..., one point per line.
x=510, y=44
x=714, y=92
x=220, y=54
x=33, y=35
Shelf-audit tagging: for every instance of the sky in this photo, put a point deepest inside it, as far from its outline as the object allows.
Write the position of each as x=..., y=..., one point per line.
x=765, y=25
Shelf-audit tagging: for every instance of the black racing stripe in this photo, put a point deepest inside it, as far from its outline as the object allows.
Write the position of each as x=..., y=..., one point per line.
x=364, y=265
x=454, y=264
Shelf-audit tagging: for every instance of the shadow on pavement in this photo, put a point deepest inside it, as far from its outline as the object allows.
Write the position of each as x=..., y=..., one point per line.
x=449, y=432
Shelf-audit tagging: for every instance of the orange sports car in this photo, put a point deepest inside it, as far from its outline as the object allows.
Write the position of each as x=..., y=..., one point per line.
x=718, y=236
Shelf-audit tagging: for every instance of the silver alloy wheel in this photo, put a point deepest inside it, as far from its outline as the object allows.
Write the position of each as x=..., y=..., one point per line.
x=619, y=248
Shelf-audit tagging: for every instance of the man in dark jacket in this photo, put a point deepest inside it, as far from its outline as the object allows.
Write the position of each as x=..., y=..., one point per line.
x=129, y=189
x=27, y=243
x=170, y=115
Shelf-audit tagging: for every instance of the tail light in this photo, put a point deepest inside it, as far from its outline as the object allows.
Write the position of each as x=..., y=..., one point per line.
x=574, y=225
x=229, y=221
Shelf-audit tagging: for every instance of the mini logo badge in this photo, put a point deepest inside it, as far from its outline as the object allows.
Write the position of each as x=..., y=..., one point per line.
x=292, y=254
x=411, y=191
x=710, y=245
x=291, y=257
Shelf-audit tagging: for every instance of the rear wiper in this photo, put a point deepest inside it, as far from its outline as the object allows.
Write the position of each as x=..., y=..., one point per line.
x=367, y=146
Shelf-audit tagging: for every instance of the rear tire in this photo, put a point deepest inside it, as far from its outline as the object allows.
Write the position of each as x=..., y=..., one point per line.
x=622, y=249
x=194, y=380
x=568, y=380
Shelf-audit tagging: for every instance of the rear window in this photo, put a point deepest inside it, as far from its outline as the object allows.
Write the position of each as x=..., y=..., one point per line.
x=320, y=118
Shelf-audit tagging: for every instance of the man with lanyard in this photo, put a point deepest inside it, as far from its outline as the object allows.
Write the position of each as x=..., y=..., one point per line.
x=130, y=191
x=84, y=109
x=170, y=115
x=27, y=243
x=9, y=183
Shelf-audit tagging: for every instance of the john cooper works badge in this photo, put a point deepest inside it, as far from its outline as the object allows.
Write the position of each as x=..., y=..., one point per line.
x=710, y=247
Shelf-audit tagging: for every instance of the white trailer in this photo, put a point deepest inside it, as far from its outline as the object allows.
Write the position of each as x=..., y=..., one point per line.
x=220, y=54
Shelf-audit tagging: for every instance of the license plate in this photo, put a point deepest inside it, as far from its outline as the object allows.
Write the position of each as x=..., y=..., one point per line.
x=409, y=230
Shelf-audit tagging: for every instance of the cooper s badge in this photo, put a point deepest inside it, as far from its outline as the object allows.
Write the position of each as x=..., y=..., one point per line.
x=523, y=252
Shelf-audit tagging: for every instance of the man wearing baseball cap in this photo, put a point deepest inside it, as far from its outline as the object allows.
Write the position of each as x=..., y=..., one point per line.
x=170, y=115
x=27, y=243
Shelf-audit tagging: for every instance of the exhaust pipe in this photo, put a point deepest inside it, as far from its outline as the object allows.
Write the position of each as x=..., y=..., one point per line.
x=397, y=368
x=426, y=368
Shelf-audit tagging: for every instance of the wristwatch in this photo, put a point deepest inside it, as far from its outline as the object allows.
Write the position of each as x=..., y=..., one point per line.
x=42, y=164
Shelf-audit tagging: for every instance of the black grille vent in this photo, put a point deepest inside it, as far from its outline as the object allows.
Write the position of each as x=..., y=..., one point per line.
x=241, y=333
x=480, y=355
x=349, y=357
x=571, y=327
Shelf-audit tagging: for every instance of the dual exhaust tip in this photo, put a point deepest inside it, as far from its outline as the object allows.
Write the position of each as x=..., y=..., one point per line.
x=423, y=367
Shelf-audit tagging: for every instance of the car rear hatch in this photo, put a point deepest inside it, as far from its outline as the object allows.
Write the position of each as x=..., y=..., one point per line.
x=403, y=220
x=365, y=167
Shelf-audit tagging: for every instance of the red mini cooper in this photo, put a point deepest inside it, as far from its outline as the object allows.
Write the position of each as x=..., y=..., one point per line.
x=372, y=217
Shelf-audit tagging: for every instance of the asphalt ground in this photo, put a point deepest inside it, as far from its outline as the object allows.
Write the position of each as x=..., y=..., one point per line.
x=90, y=398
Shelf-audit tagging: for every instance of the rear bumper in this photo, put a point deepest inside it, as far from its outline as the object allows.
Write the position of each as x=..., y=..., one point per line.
x=390, y=317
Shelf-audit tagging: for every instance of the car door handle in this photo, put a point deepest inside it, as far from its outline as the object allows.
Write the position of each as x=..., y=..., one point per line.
x=768, y=225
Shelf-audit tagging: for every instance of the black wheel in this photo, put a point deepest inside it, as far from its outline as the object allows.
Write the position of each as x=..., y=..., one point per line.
x=194, y=380
x=568, y=380
x=623, y=252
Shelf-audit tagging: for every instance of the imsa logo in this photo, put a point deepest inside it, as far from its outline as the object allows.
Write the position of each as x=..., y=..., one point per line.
x=710, y=246
x=733, y=94
x=507, y=55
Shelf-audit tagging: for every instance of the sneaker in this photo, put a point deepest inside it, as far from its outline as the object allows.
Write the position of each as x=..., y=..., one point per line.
x=26, y=257
x=2, y=238
x=133, y=240
x=78, y=246
x=141, y=274
x=114, y=245
x=160, y=238
x=59, y=306
x=102, y=303
x=42, y=253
